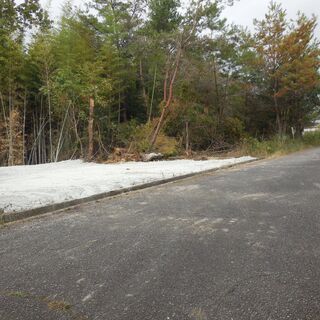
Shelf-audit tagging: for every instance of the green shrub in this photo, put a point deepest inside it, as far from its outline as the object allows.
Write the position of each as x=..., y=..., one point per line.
x=140, y=141
x=312, y=138
x=125, y=131
x=233, y=130
x=279, y=145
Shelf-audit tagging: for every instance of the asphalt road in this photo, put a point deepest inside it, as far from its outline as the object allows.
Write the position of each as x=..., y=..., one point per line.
x=242, y=243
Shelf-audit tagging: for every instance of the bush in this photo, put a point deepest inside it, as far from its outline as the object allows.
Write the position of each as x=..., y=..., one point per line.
x=312, y=138
x=168, y=146
x=279, y=145
x=125, y=131
x=233, y=130
x=203, y=129
x=140, y=141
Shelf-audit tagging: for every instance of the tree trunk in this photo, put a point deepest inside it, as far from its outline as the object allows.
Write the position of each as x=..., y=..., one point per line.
x=10, y=136
x=10, y=142
x=216, y=85
x=90, y=129
x=278, y=115
x=60, y=141
x=75, y=126
x=24, y=129
x=50, y=114
x=279, y=123
x=168, y=101
x=6, y=125
x=187, y=138
x=153, y=90
x=165, y=86
x=144, y=92
x=119, y=106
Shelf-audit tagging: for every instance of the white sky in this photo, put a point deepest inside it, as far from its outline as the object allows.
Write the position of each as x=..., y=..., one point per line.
x=243, y=12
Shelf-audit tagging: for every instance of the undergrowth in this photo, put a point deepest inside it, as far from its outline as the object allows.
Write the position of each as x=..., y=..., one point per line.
x=278, y=146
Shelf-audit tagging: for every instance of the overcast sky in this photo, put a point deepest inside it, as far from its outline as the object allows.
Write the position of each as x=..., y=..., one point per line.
x=242, y=12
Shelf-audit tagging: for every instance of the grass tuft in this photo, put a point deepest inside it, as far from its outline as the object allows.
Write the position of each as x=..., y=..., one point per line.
x=18, y=294
x=58, y=305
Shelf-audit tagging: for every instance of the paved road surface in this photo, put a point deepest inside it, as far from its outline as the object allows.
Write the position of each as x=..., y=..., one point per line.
x=238, y=244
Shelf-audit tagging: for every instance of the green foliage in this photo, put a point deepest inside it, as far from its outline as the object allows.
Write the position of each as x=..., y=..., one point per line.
x=140, y=141
x=311, y=138
x=18, y=17
x=164, y=15
x=279, y=145
x=184, y=71
x=233, y=130
x=125, y=133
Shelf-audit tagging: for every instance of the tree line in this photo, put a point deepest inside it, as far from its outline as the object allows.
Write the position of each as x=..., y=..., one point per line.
x=144, y=75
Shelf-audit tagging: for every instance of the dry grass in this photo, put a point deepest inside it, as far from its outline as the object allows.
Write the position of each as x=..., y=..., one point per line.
x=198, y=314
x=58, y=305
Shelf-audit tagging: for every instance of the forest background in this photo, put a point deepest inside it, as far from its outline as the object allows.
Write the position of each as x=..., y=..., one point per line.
x=135, y=76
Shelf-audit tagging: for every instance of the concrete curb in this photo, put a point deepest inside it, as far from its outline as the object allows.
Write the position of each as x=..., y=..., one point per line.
x=21, y=215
